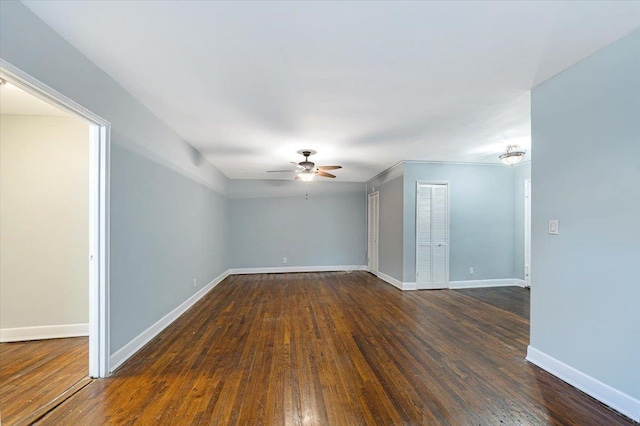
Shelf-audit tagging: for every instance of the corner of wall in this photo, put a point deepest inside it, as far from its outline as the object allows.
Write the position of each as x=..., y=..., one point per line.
x=610, y=396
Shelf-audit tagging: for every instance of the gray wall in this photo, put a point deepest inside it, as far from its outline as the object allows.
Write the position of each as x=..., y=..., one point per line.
x=390, y=228
x=166, y=231
x=586, y=170
x=481, y=201
x=315, y=224
x=520, y=174
x=161, y=189
x=390, y=188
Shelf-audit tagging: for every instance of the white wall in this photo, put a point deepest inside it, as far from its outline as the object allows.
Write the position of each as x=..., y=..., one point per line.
x=585, y=299
x=44, y=228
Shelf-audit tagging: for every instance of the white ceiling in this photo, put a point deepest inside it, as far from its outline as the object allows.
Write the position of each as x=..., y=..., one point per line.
x=366, y=84
x=15, y=101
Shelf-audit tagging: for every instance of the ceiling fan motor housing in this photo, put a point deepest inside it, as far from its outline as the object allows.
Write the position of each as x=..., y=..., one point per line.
x=308, y=165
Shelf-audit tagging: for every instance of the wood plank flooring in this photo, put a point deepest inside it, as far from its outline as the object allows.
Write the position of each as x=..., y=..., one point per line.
x=334, y=349
x=32, y=374
x=512, y=299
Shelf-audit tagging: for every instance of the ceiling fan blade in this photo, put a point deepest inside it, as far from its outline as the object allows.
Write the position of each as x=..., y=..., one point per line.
x=329, y=167
x=281, y=171
x=325, y=174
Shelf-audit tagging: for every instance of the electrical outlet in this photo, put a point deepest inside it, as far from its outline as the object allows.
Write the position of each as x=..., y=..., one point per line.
x=195, y=282
x=471, y=271
x=284, y=260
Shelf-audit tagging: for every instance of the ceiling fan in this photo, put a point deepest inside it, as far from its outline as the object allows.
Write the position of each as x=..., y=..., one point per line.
x=306, y=170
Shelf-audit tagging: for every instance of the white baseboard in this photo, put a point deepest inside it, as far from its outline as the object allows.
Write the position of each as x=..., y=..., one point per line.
x=43, y=332
x=285, y=269
x=409, y=286
x=604, y=393
x=121, y=355
x=387, y=278
x=486, y=283
x=394, y=282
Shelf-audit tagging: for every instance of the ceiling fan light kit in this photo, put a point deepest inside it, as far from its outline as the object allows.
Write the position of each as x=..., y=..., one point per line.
x=306, y=169
x=513, y=155
x=306, y=175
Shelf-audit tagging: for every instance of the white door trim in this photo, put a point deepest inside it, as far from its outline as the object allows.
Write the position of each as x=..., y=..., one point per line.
x=527, y=232
x=99, y=155
x=370, y=243
x=445, y=183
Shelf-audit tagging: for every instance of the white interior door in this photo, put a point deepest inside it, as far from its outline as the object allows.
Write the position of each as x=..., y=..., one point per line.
x=432, y=236
x=373, y=231
x=527, y=232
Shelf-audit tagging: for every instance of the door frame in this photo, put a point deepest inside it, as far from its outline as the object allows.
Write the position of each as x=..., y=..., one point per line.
x=99, y=163
x=445, y=183
x=527, y=233
x=376, y=195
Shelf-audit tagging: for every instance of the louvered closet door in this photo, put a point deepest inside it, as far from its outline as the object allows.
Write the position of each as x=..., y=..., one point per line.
x=439, y=237
x=423, y=237
x=432, y=237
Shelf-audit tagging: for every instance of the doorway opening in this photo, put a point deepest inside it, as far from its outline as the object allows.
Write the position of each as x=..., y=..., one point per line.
x=527, y=233
x=85, y=171
x=373, y=221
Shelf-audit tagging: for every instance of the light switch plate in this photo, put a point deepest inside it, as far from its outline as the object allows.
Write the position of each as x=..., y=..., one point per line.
x=553, y=227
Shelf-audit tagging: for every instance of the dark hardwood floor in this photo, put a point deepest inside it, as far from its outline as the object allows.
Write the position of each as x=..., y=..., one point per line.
x=334, y=348
x=512, y=299
x=35, y=373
